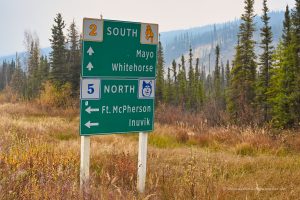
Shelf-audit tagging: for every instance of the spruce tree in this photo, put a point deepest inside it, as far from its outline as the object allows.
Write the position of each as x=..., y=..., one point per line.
x=283, y=80
x=281, y=89
x=10, y=71
x=242, y=87
x=227, y=74
x=286, y=35
x=160, y=75
x=175, y=78
x=182, y=83
x=183, y=66
x=191, y=82
x=198, y=86
x=74, y=58
x=58, y=74
x=44, y=69
x=191, y=69
x=181, y=86
x=33, y=82
x=3, y=80
x=18, y=79
x=168, y=90
x=208, y=81
x=295, y=45
x=174, y=69
x=222, y=77
x=296, y=28
x=217, y=76
x=263, y=83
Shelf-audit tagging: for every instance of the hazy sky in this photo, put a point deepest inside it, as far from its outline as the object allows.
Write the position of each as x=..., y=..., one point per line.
x=37, y=15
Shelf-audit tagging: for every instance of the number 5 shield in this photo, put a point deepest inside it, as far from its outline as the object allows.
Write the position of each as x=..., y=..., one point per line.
x=90, y=88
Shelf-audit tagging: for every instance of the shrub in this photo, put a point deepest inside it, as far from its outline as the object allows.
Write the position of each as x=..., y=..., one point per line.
x=55, y=96
x=8, y=95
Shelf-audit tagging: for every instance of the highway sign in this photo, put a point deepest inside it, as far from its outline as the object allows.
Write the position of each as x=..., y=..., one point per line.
x=125, y=105
x=118, y=76
x=119, y=49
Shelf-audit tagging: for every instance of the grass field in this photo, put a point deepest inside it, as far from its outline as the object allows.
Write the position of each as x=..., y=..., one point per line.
x=40, y=158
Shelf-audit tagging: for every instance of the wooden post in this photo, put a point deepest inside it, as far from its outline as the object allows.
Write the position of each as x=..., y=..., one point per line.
x=84, y=160
x=142, y=161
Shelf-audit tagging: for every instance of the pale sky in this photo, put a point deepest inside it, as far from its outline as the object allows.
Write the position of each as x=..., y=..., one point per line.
x=37, y=15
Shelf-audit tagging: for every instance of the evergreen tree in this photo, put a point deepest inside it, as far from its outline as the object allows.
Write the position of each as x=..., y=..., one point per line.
x=197, y=71
x=296, y=28
x=181, y=86
x=198, y=87
x=175, y=78
x=4, y=79
x=191, y=69
x=182, y=83
x=222, y=77
x=217, y=76
x=44, y=69
x=160, y=75
x=33, y=82
x=174, y=69
x=286, y=35
x=168, y=92
x=191, y=98
x=285, y=82
x=242, y=87
x=282, y=84
x=208, y=81
x=74, y=58
x=10, y=71
x=59, y=74
x=18, y=79
x=263, y=82
x=183, y=66
x=295, y=45
x=227, y=74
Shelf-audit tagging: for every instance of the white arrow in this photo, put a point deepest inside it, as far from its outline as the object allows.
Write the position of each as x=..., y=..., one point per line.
x=90, y=66
x=90, y=51
x=89, y=124
x=89, y=110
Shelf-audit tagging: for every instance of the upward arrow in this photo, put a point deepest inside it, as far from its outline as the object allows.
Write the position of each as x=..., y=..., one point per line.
x=90, y=51
x=90, y=66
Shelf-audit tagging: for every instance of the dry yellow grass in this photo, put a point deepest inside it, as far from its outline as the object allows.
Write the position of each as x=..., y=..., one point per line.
x=39, y=159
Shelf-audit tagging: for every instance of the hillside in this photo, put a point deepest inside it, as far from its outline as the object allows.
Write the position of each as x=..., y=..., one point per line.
x=204, y=39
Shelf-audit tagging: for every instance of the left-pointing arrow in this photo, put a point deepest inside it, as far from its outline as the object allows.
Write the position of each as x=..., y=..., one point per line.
x=89, y=124
x=90, y=66
x=89, y=110
x=90, y=51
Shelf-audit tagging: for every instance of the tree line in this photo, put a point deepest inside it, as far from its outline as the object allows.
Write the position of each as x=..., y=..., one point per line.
x=250, y=89
x=253, y=89
x=61, y=68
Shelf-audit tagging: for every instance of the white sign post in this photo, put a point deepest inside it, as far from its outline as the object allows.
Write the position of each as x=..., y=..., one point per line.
x=142, y=161
x=84, y=160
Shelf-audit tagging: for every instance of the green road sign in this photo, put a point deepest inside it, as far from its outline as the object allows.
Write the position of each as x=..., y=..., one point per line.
x=119, y=106
x=118, y=76
x=121, y=51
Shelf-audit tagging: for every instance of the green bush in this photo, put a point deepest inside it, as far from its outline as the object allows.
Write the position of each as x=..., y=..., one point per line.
x=55, y=96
